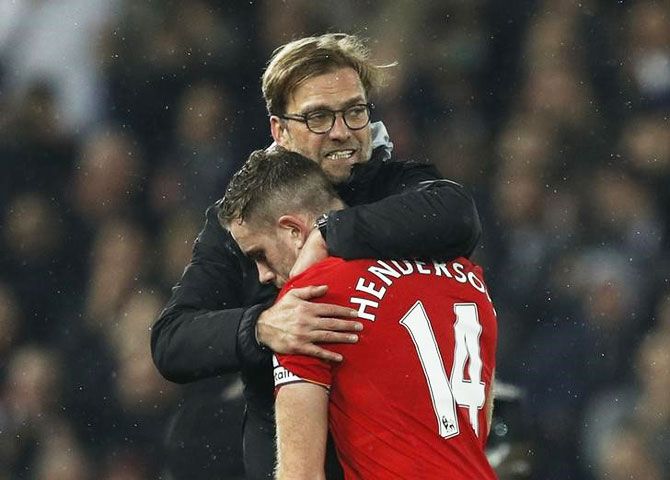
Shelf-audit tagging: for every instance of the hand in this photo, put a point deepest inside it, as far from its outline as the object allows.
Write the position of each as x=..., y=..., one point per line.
x=313, y=251
x=294, y=325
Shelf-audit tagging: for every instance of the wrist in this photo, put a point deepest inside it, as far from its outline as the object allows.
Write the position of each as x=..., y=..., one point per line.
x=321, y=223
x=258, y=338
x=250, y=353
x=257, y=333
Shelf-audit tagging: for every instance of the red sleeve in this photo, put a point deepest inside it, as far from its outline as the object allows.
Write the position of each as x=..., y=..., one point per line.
x=299, y=368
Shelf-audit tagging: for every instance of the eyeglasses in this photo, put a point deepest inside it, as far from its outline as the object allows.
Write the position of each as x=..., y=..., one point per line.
x=355, y=117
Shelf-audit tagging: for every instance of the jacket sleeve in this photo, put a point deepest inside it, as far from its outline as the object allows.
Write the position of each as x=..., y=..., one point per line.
x=196, y=335
x=421, y=216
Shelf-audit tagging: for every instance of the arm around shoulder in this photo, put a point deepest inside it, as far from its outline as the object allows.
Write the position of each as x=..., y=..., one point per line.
x=196, y=335
x=421, y=217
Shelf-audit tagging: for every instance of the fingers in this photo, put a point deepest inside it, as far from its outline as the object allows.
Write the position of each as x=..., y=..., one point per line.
x=322, y=353
x=299, y=343
x=322, y=309
x=328, y=336
x=307, y=293
x=338, y=325
x=331, y=310
x=314, y=350
x=307, y=344
x=300, y=325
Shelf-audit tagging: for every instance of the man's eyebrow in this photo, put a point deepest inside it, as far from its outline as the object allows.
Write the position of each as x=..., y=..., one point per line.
x=358, y=100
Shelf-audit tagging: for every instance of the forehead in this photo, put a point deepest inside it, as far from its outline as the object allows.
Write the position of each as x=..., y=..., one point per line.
x=333, y=90
x=248, y=237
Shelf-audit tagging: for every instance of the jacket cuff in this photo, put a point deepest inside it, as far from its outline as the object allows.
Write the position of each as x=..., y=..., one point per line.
x=249, y=351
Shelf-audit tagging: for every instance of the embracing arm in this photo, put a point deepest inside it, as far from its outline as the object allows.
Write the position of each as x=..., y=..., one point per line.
x=301, y=410
x=204, y=331
x=421, y=216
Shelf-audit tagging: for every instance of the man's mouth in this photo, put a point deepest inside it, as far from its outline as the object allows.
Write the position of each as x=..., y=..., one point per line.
x=340, y=154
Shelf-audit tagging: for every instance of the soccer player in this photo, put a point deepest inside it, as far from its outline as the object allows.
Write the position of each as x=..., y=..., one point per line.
x=412, y=399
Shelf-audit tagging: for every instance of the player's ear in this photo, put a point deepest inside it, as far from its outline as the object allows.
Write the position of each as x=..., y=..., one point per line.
x=278, y=130
x=295, y=226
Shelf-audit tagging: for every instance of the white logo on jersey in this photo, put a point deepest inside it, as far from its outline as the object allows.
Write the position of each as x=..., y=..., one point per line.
x=282, y=375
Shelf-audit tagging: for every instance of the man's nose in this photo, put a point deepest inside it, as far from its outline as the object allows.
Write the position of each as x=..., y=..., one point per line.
x=265, y=275
x=340, y=131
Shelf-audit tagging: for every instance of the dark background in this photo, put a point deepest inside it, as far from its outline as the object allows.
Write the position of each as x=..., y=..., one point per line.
x=120, y=121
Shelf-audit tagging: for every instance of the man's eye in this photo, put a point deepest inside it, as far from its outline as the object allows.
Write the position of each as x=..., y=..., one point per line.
x=356, y=111
x=320, y=116
x=257, y=257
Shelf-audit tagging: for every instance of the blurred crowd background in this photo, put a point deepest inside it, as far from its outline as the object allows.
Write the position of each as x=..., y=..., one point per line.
x=121, y=121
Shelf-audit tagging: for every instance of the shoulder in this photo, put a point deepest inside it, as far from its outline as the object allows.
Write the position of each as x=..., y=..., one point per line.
x=379, y=178
x=212, y=229
x=213, y=239
x=400, y=169
x=318, y=273
x=335, y=272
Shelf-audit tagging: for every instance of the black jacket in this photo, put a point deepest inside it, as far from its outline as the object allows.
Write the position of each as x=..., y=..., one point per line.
x=396, y=210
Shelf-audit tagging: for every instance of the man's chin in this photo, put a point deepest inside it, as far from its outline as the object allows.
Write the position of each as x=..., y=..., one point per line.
x=340, y=176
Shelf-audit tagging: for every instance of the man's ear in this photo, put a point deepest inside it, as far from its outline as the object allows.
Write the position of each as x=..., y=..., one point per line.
x=278, y=130
x=296, y=227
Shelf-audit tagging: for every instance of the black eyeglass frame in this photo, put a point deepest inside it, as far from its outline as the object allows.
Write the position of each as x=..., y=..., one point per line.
x=304, y=118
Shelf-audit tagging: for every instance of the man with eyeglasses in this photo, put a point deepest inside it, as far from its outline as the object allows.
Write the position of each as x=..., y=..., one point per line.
x=222, y=319
x=356, y=117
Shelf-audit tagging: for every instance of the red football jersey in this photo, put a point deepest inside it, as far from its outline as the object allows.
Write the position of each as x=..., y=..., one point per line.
x=408, y=401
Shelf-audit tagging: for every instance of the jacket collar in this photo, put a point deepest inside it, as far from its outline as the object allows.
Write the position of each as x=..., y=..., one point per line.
x=380, y=139
x=382, y=147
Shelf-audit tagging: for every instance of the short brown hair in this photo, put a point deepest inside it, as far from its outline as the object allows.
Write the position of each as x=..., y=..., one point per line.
x=275, y=182
x=308, y=57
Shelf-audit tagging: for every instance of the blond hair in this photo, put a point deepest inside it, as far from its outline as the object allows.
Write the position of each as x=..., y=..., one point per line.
x=301, y=59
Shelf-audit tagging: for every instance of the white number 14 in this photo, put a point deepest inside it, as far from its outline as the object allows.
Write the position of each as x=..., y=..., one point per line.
x=446, y=393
